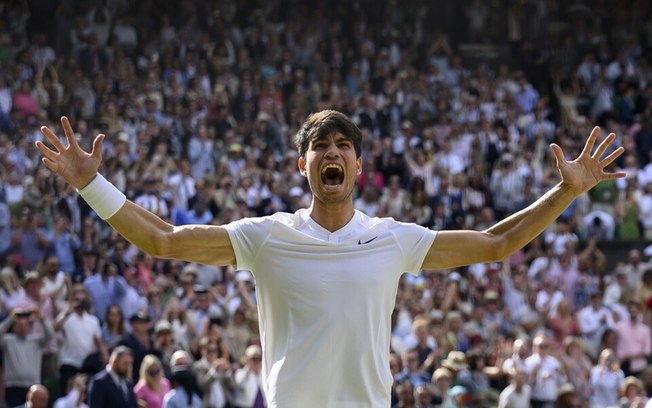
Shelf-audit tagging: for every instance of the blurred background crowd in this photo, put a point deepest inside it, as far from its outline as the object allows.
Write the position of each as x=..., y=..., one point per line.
x=457, y=101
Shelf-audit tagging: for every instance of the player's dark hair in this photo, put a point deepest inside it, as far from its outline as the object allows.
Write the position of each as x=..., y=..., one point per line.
x=324, y=123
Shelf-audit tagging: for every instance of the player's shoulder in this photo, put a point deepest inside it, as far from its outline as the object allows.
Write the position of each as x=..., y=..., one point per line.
x=388, y=223
x=275, y=219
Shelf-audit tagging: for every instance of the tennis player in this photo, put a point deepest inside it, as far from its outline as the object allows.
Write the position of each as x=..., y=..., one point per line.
x=326, y=276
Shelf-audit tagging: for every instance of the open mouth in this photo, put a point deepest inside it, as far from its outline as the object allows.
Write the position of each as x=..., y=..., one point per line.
x=332, y=175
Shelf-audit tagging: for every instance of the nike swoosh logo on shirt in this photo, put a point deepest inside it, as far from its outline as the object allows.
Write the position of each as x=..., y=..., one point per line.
x=366, y=242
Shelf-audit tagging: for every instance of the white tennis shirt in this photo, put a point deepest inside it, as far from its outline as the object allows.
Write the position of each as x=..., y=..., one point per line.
x=325, y=301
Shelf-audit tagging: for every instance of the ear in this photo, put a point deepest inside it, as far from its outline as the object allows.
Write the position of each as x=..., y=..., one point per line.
x=359, y=163
x=301, y=163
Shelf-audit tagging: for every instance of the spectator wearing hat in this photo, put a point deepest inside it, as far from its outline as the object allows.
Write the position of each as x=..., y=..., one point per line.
x=82, y=342
x=164, y=343
x=22, y=352
x=152, y=385
x=567, y=397
x=545, y=373
x=442, y=380
x=139, y=341
x=455, y=362
x=248, y=380
x=634, y=345
x=33, y=300
x=214, y=375
x=632, y=394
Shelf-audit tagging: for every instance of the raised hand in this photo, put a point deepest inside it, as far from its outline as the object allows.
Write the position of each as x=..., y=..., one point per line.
x=587, y=169
x=72, y=163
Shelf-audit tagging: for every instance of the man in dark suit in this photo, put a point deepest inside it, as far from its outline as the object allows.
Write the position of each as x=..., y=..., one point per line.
x=111, y=387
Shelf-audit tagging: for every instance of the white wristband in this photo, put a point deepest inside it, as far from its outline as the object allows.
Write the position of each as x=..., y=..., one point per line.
x=103, y=197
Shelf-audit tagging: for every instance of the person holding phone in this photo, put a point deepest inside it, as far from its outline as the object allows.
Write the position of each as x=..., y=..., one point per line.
x=22, y=352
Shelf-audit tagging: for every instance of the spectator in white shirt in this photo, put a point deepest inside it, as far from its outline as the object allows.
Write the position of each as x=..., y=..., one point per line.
x=545, y=373
x=76, y=394
x=594, y=319
x=248, y=380
x=518, y=393
x=606, y=380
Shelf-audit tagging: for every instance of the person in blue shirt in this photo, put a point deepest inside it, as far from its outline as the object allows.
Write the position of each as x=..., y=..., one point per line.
x=182, y=394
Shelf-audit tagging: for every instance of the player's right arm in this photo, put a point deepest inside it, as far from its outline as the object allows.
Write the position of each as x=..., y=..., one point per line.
x=205, y=244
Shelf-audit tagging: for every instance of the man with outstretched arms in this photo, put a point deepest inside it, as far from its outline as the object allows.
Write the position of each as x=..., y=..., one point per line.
x=326, y=275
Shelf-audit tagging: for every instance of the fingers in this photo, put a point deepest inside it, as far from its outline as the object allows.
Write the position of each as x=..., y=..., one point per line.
x=590, y=142
x=50, y=164
x=52, y=138
x=97, y=146
x=559, y=154
x=616, y=175
x=603, y=146
x=612, y=156
x=47, y=152
x=67, y=130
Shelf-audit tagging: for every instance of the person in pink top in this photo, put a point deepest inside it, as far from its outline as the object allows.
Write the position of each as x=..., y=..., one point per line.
x=634, y=341
x=152, y=385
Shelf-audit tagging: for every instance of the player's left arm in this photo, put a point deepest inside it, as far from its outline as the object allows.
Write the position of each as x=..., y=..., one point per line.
x=457, y=248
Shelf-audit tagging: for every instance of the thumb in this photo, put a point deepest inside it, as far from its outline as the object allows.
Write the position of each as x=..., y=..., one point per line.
x=97, y=146
x=559, y=154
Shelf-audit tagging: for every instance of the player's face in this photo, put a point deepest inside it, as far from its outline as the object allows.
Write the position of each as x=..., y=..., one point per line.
x=331, y=167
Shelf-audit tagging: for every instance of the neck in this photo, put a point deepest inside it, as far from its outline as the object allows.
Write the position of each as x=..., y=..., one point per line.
x=331, y=217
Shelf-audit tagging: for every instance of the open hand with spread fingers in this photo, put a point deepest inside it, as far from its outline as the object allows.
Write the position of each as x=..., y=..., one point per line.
x=75, y=165
x=587, y=169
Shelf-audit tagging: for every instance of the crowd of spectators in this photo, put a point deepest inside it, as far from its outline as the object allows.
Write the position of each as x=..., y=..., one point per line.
x=200, y=101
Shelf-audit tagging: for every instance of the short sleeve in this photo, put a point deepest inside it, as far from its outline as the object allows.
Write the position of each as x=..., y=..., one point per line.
x=247, y=236
x=415, y=242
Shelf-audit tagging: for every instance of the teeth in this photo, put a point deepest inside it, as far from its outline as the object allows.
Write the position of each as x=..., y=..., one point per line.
x=332, y=166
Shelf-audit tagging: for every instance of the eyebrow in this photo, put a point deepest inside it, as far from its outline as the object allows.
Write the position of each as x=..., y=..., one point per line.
x=339, y=136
